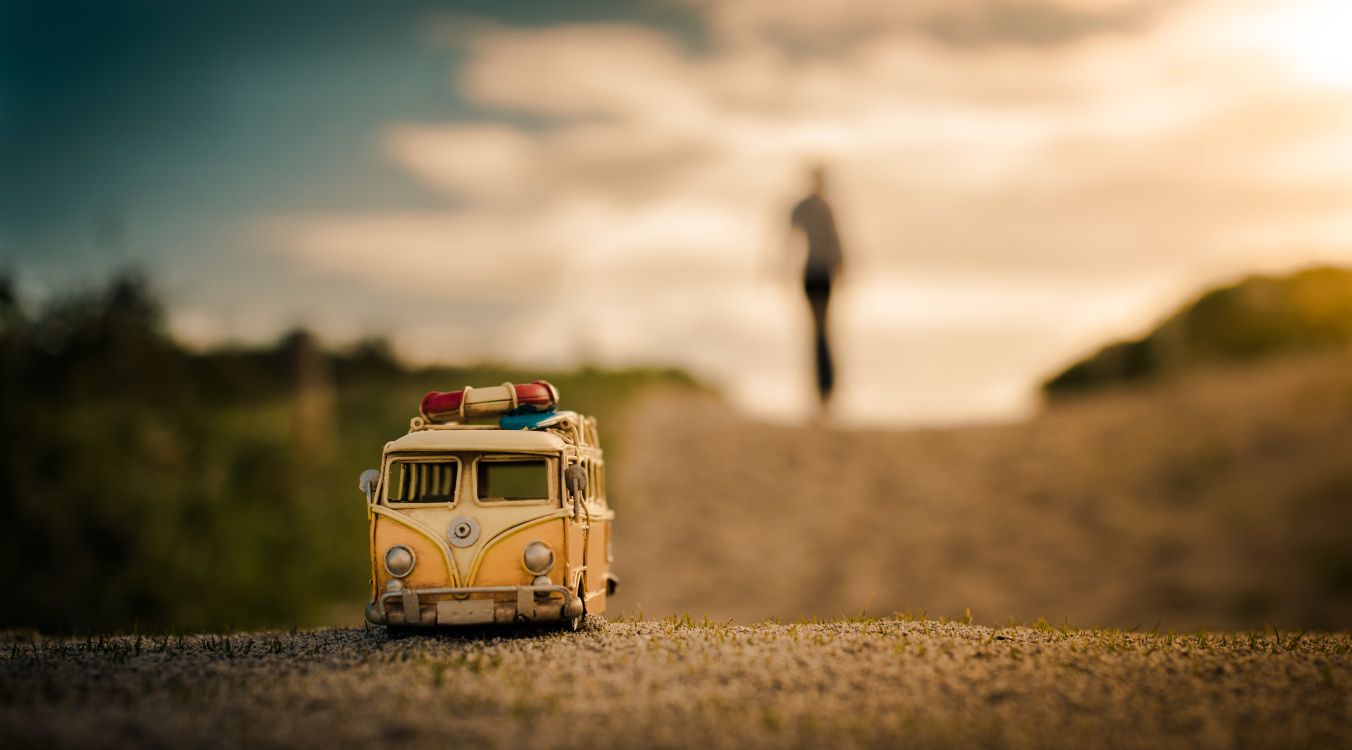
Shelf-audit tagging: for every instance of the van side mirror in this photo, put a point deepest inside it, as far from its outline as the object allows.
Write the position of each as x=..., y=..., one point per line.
x=367, y=482
x=575, y=477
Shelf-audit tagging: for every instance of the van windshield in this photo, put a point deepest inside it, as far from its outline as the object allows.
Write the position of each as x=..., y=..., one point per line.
x=512, y=478
x=424, y=481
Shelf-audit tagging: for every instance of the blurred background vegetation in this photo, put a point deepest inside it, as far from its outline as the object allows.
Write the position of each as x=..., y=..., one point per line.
x=1257, y=317
x=148, y=486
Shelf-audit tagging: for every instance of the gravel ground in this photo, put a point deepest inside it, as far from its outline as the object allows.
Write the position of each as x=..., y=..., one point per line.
x=679, y=683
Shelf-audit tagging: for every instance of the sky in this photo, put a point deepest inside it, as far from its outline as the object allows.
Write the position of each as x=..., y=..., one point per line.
x=545, y=184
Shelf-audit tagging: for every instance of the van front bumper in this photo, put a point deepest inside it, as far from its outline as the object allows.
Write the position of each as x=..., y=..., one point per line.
x=474, y=605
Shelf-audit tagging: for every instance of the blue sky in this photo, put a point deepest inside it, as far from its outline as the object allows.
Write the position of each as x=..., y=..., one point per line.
x=552, y=184
x=175, y=118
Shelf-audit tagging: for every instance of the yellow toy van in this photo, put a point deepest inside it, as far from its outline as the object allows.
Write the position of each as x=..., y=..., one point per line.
x=492, y=509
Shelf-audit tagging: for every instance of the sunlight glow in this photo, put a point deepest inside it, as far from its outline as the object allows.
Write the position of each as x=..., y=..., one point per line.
x=1314, y=39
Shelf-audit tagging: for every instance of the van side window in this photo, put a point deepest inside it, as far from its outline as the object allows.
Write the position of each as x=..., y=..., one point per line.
x=513, y=479
x=423, y=481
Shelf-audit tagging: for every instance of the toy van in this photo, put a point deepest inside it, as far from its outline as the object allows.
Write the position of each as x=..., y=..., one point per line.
x=492, y=509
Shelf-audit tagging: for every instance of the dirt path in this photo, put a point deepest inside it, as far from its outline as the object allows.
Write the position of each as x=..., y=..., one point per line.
x=667, y=684
x=1221, y=500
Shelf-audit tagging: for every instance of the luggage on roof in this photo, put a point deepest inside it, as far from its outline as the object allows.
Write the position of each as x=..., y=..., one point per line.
x=478, y=403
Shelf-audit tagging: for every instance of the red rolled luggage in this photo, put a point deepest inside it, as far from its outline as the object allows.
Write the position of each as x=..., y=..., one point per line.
x=475, y=403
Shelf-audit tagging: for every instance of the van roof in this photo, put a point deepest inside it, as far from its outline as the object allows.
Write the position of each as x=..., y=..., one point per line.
x=478, y=440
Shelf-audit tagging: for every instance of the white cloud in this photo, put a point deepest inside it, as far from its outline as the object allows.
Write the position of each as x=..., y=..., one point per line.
x=472, y=161
x=596, y=69
x=968, y=23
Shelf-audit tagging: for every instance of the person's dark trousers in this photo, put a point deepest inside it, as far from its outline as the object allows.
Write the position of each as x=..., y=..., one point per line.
x=819, y=298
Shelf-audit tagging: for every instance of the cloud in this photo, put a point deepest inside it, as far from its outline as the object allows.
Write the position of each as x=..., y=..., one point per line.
x=970, y=24
x=994, y=165
x=474, y=161
x=613, y=70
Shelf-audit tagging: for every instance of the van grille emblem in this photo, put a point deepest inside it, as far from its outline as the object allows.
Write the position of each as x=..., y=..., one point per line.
x=463, y=531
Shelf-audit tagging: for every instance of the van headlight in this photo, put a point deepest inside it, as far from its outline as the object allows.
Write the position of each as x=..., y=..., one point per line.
x=538, y=558
x=399, y=561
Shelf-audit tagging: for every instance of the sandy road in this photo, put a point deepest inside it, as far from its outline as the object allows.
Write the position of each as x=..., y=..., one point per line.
x=1221, y=499
x=880, y=683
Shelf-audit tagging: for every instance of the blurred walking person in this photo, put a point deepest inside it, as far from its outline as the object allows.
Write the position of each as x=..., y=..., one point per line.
x=812, y=217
